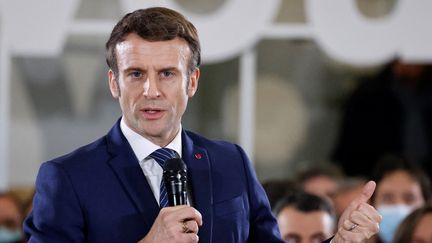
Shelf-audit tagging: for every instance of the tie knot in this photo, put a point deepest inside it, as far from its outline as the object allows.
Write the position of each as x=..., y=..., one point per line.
x=163, y=154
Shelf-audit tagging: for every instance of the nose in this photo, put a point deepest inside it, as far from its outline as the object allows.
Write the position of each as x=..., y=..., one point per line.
x=151, y=89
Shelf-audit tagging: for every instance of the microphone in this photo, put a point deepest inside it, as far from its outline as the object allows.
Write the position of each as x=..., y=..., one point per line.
x=175, y=179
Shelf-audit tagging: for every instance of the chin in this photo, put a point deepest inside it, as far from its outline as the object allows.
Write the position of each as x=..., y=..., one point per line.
x=153, y=131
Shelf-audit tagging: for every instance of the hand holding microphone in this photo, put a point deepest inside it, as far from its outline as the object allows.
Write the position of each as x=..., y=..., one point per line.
x=178, y=222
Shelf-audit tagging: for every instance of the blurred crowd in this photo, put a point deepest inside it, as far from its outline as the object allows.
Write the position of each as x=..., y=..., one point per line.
x=307, y=207
x=13, y=209
x=386, y=136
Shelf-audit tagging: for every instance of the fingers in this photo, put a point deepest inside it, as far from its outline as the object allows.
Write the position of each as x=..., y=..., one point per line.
x=349, y=225
x=344, y=236
x=361, y=222
x=180, y=214
x=176, y=224
x=370, y=212
x=358, y=219
x=365, y=227
x=190, y=238
x=189, y=226
x=190, y=213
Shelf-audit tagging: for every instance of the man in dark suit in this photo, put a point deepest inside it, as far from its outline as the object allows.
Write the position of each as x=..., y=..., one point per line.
x=109, y=190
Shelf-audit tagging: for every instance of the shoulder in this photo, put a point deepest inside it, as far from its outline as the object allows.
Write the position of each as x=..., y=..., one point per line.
x=83, y=155
x=211, y=144
x=222, y=154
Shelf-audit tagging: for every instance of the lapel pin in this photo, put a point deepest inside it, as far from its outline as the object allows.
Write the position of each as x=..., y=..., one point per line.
x=198, y=156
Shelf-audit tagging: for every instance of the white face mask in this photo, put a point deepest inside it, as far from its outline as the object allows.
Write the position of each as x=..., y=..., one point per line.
x=392, y=216
x=9, y=236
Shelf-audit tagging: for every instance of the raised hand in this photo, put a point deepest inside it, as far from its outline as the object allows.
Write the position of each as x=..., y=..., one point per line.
x=360, y=220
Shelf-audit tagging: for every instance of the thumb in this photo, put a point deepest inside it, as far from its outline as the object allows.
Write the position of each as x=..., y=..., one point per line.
x=366, y=194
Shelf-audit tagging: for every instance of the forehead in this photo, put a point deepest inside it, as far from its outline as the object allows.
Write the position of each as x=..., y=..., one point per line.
x=396, y=181
x=321, y=181
x=136, y=51
x=293, y=220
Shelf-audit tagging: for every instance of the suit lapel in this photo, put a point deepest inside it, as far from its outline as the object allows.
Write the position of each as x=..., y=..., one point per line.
x=198, y=165
x=126, y=166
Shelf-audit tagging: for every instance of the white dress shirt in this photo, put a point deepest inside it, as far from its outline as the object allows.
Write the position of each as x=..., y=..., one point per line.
x=142, y=148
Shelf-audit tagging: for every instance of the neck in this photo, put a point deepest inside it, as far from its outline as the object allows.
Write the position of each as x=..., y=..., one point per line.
x=163, y=141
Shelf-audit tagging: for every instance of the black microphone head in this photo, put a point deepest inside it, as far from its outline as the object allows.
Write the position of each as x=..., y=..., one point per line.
x=175, y=164
x=175, y=179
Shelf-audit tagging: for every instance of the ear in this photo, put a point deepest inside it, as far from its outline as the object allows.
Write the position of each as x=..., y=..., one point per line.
x=193, y=83
x=113, y=84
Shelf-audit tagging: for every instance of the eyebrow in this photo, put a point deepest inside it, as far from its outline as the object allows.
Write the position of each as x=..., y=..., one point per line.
x=167, y=69
x=133, y=69
x=320, y=234
x=292, y=235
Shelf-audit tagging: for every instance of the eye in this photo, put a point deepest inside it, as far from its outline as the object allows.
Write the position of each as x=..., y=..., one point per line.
x=167, y=74
x=135, y=74
x=387, y=198
x=409, y=198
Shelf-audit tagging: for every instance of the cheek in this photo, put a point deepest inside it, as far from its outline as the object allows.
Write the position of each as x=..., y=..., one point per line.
x=180, y=98
x=128, y=102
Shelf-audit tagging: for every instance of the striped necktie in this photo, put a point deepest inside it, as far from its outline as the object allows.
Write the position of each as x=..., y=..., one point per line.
x=161, y=155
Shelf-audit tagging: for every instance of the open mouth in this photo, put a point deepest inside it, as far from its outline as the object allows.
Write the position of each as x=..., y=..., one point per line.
x=151, y=111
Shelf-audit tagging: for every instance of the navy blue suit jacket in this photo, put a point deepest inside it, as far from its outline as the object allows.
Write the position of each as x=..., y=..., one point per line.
x=99, y=193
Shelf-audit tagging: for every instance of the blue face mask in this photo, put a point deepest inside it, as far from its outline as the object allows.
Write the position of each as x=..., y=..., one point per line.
x=9, y=236
x=392, y=216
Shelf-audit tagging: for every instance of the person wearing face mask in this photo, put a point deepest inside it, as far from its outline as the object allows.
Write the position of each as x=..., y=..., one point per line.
x=10, y=220
x=401, y=188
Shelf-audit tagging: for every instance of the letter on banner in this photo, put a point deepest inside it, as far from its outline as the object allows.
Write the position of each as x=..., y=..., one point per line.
x=37, y=27
x=346, y=35
x=227, y=32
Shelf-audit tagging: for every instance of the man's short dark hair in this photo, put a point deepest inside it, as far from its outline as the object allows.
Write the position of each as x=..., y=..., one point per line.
x=154, y=24
x=277, y=189
x=304, y=202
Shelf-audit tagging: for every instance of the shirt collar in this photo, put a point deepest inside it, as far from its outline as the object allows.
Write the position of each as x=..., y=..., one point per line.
x=143, y=147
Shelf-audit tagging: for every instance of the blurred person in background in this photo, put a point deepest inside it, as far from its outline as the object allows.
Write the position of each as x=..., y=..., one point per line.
x=10, y=219
x=416, y=227
x=388, y=113
x=349, y=188
x=401, y=188
x=305, y=218
x=322, y=181
x=277, y=189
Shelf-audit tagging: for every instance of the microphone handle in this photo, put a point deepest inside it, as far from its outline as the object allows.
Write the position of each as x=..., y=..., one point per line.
x=177, y=193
